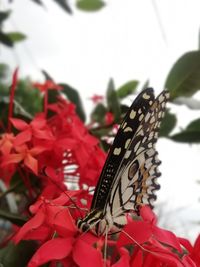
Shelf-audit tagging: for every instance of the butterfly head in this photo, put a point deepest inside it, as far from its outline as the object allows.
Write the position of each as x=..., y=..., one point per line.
x=91, y=222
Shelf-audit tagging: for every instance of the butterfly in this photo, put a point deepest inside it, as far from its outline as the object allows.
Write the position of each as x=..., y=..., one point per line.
x=129, y=177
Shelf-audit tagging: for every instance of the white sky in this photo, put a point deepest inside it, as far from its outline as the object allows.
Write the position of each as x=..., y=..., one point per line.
x=123, y=41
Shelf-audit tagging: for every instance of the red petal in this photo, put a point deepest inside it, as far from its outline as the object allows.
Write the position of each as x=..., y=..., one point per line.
x=124, y=259
x=55, y=249
x=33, y=223
x=138, y=231
x=64, y=224
x=137, y=259
x=43, y=134
x=11, y=158
x=19, y=124
x=167, y=237
x=195, y=254
x=86, y=256
x=186, y=243
x=31, y=163
x=41, y=234
x=37, y=150
x=147, y=214
x=197, y=244
x=164, y=256
x=23, y=137
x=39, y=122
x=188, y=262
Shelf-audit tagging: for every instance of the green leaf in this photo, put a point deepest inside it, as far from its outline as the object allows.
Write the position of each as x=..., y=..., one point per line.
x=13, y=218
x=113, y=101
x=168, y=124
x=5, y=39
x=16, y=36
x=38, y=2
x=184, y=77
x=47, y=75
x=4, y=15
x=3, y=71
x=74, y=97
x=98, y=114
x=90, y=5
x=194, y=125
x=17, y=255
x=127, y=89
x=64, y=5
x=189, y=135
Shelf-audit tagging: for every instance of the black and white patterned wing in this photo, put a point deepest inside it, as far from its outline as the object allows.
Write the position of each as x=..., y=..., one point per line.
x=129, y=126
x=135, y=182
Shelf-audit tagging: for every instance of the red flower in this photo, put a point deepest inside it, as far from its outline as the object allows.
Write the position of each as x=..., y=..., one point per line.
x=25, y=155
x=193, y=251
x=109, y=118
x=47, y=85
x=37, y=128
x=6, y=143
x=97, y=99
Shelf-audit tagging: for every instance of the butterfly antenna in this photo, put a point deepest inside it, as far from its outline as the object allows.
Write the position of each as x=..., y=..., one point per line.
x=138, y=244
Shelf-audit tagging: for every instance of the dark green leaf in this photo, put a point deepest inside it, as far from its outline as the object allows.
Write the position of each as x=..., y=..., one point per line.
x=17, y=255
x=74, y=97
x=184, y=77
x=4, y=15
x=98, y=114
x=168, y=124
x=187, y=137
x=53, y=96
x=194, y=125
x=191, y=134
x=5, y=39
x=64, y=5
x=113, y=101
x=47, y=75
x=38, y=2
x=16, y=36
x=104, y=145
x=13, y=218
x=3, y=71
x=124, y=109
x=90, y=5
x=127, y=89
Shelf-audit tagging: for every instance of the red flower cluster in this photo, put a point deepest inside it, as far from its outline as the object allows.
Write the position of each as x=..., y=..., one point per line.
x=65, y=159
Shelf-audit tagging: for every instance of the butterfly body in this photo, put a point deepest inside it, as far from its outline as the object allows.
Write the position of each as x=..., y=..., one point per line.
x=128, y=178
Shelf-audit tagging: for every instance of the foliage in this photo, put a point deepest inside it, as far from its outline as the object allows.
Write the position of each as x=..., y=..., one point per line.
x=9, y=38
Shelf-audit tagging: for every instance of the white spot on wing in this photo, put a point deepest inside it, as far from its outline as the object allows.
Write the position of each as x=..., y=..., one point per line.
x=128, y=129
x=146, y=96
x=127, y=142
x=117, y=151
x=127, y=154
x=132, y=114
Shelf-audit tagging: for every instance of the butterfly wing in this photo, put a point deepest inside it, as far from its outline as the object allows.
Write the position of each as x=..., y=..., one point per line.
x=126, y=132
x=135, y=182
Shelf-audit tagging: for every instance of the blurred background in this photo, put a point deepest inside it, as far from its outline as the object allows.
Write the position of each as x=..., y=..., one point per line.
x=85, y=43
